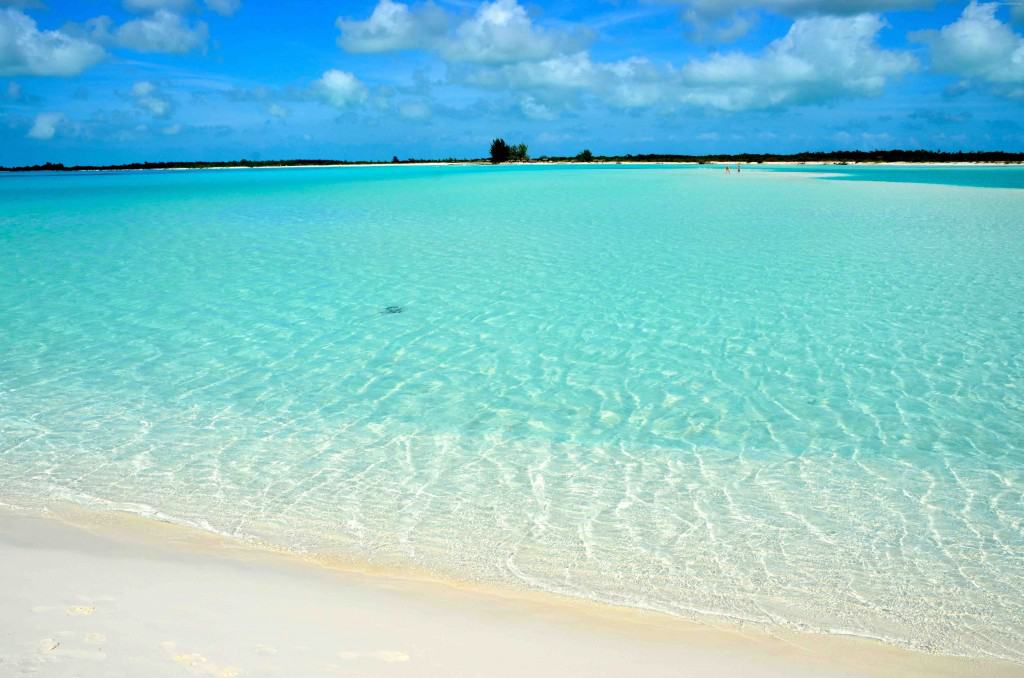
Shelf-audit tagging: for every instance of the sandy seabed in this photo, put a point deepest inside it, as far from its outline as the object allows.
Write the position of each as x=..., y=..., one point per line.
x=106, y=596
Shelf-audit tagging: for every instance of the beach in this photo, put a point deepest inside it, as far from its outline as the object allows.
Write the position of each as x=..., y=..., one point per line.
x=754, y=411
x=97, y=596
x=592, y=340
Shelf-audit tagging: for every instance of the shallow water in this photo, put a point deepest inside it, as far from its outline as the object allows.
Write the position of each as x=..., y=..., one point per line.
x=768, y=396
x=982, y=176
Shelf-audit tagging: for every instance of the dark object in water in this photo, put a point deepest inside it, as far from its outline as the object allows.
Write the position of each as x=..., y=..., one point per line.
x=392, y=309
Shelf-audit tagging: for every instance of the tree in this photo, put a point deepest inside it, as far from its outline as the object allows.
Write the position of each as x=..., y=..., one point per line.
x=500, y=151
x=519, y=153
x=394, y=158
x=585, y=156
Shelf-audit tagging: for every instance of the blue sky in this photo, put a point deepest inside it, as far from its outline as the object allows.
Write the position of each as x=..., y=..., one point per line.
x=102, y=81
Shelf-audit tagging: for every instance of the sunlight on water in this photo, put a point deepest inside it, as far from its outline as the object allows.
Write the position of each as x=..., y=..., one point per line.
x=764, y=396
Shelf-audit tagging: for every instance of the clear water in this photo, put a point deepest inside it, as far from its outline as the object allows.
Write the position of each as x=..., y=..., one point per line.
x=982, y=176
x=766, y=396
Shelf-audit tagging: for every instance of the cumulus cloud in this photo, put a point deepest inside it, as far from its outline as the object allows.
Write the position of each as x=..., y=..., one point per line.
x=820, y=58
x=726, y=20
x=277, y=111
x=978, y=46
x=45, y=125
x=340, y=88
x=629, y=83
x=535, y=110
x=502, y=32
x=394, y=26
x=163, y=31
x=571, y=71
x=499, y=32
x=26, y=50
x=149, y=99
x=798, y=8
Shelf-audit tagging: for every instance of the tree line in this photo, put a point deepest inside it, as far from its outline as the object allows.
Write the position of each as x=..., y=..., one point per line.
x=503, y=152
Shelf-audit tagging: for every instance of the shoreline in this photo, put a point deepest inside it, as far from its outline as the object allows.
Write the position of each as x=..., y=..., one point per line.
x=693, y=163
x=56, y=555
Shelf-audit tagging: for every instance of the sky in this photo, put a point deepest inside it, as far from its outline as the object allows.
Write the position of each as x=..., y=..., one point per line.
x=112, y=81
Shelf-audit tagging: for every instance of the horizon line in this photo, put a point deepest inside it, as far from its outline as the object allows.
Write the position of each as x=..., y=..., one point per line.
x=880, y=155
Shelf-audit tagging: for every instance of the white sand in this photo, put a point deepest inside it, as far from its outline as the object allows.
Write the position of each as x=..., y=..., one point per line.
x=135, y=598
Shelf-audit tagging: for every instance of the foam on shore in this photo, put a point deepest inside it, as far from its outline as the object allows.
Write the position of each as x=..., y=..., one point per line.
x=111, y=595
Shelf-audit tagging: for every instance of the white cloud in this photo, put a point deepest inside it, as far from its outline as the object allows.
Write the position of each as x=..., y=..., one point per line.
x=149, y=99
x=45, y=125
x=567, y=72
x=627, y=84
x=502, y=32
x=277, y=111
x=819, y=59
x=394, y=26
x=727, y=20
x=798, y=8
x=153, y=5
x=171, y=130
x=340, y=88
x=979, y=46
x=224, y=7
x=499, y=32
x=632, y=83
x=499, y=47
x=25, y=50
x=164, y=31
x=535, y=110
x=13, y=91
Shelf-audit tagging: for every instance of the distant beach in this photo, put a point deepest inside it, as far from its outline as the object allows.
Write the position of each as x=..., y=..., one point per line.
x=919, y=158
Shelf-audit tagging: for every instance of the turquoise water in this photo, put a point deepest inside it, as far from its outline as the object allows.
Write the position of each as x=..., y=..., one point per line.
x=983, y=176
x=770, y=397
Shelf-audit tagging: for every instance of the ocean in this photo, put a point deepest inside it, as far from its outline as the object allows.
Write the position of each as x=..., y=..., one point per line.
x=784, y=397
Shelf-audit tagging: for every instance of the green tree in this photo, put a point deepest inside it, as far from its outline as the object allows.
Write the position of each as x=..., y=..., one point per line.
x=500, y=151
x=585, y=156
x=519, y=153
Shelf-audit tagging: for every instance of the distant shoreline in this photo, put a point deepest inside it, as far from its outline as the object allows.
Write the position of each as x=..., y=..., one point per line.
x=839, y=158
